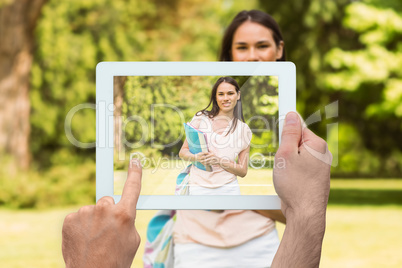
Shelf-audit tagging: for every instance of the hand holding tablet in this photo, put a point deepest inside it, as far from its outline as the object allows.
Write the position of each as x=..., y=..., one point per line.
x=302, y=184
x=301, y=178
x=104, y=235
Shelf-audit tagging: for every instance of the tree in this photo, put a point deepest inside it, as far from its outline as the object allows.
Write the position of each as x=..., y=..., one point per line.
x=118, y=94
x=17, y=24
x=349, y=51
x=369, y=80
x=310, y=29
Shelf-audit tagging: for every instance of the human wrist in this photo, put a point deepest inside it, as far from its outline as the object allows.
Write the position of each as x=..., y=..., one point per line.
x=303, y=237
x=306, y=210
x=310, y=222
x=94, y=263
x=224, y=163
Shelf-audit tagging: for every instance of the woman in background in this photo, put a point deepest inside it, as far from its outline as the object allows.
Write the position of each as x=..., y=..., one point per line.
x=234, y=238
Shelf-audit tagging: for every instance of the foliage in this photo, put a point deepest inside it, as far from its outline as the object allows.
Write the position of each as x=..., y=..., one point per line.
x=154, y=109
x=5, y=2
x=355, y=158
x=163, y=104
x=369, y=79
x=351, y=53
x=310, y=28
x=60, y=185
x=378, y=63
x=260, y=108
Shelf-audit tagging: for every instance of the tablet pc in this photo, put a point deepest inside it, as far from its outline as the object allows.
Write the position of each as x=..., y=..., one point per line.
x=140, y=111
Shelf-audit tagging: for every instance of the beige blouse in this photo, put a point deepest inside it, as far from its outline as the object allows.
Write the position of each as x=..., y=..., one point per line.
x=220, y=229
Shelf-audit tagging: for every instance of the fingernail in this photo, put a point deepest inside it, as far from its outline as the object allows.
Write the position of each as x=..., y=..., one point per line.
x=136, y=161
x=292, y=118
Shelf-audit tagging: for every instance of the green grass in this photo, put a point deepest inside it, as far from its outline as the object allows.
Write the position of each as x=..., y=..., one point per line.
x=368, y=192
x=162, y=181
x=363, y=237
x=31, y=238
x=364, y=234
x=367, y=184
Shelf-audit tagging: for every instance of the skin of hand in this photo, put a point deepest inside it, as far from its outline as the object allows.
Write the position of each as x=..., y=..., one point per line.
x=237, y=168
x=302, y=180
x=275, y=215
x=104, y=235
x=209, y=158
x=201, y=157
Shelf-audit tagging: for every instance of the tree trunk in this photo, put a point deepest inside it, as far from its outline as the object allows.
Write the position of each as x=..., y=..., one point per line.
x=17, y=23
x=118, y=94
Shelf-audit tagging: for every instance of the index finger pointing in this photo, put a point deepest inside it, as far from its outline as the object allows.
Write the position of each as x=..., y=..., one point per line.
x=132, y=187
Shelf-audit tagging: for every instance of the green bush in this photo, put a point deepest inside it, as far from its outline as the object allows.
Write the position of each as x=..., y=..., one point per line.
x=59, y=186
x=352, y=159
x=152, y=158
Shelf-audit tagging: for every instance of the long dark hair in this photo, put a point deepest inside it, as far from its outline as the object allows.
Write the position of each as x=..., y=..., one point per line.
x=238, y=110
x=256, y=16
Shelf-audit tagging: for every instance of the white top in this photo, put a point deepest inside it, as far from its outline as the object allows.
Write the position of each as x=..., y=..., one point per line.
x=224, y=146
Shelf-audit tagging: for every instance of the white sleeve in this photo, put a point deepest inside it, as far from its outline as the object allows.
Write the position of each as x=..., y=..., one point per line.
x=200, y=122
x=247, y=135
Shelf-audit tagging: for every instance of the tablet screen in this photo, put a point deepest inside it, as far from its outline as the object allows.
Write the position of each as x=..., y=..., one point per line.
x=149, y=117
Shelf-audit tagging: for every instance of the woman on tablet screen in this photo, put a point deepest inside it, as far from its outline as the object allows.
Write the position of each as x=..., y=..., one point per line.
x=227, y=136
x=234, y=238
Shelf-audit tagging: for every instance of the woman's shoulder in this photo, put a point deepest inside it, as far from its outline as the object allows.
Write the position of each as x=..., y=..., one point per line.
x=246, y=132
x=200, y=115
x=198, y=119
x=243, y=126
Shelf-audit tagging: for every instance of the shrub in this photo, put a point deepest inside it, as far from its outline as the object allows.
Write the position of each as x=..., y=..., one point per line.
x=59, y=186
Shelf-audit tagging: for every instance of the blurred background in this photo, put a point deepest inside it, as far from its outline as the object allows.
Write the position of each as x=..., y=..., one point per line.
x=346, y=52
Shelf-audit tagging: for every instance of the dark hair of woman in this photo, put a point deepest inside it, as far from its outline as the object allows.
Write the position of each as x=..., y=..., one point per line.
x=238, y=109
x=256, y=16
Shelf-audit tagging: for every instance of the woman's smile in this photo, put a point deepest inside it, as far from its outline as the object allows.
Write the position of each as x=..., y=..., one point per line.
x=226, y=104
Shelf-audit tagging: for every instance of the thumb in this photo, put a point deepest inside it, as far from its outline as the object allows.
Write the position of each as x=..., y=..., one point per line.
x=291, y=133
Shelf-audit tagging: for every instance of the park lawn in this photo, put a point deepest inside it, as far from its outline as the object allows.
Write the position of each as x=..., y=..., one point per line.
x=162, y=180
x=367, y=184
x=363, y=234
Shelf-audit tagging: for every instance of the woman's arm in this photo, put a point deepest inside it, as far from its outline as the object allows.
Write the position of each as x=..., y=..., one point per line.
x=185, y=153
x=275, y=215
x=238, y=169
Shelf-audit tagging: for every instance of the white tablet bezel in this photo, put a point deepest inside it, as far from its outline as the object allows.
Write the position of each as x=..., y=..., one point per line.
x=105, y=71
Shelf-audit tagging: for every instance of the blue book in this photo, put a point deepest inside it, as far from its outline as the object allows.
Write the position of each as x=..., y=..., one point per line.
x=197, y=143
